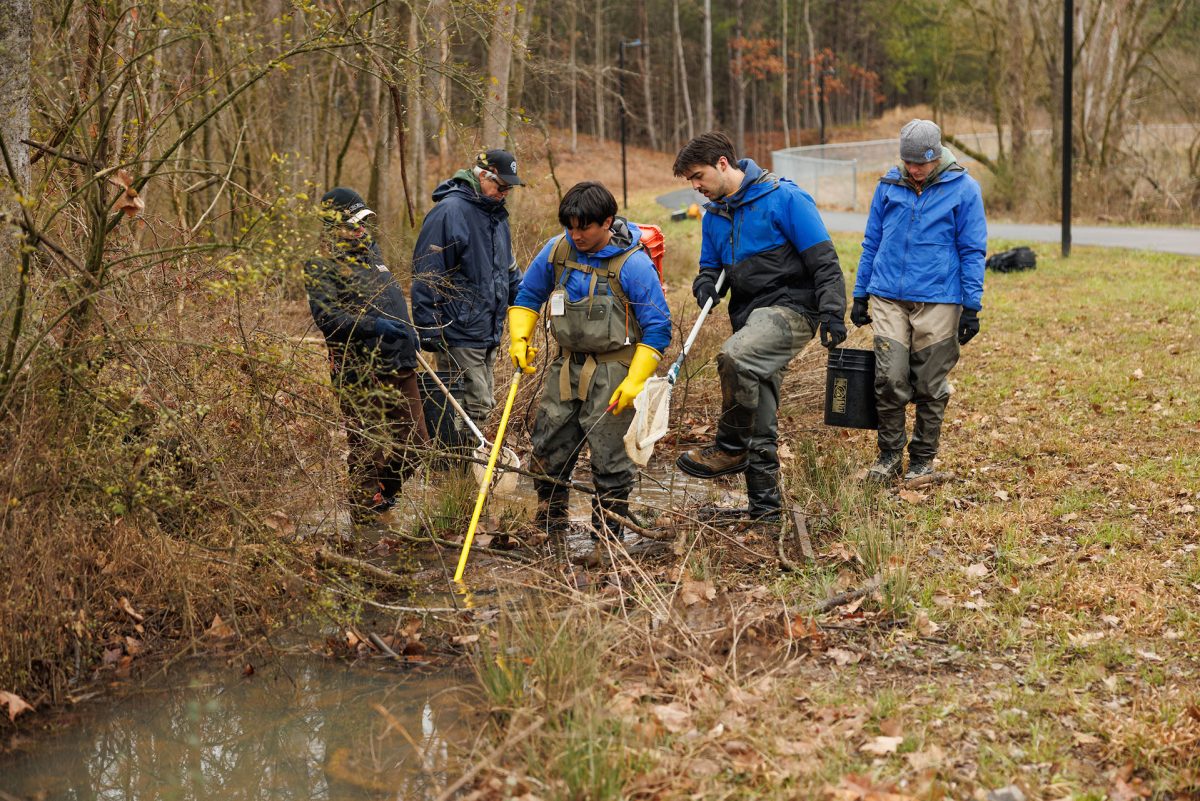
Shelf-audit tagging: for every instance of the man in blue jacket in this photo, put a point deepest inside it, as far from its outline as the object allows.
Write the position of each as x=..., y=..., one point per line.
x=359, y=307
x=611, y=323
x=783, y=279
x=465, y=275
x=921, y=274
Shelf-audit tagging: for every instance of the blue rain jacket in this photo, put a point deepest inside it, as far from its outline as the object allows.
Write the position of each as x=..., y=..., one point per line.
x=926, y=248
x=770, y=239
x=639, y=280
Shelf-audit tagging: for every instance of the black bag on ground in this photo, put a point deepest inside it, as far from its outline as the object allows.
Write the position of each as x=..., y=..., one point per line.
x=1012, y=261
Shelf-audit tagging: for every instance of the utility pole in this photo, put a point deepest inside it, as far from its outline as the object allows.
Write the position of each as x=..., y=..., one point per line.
x=621, y=91
x=1067, y=114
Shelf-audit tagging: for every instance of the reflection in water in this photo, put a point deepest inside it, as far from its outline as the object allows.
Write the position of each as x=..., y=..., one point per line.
x=305, y=730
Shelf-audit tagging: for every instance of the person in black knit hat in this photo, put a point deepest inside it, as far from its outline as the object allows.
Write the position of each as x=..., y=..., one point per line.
x=360, y=308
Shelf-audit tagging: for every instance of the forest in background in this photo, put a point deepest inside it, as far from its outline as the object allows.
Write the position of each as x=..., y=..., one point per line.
x=160, y=164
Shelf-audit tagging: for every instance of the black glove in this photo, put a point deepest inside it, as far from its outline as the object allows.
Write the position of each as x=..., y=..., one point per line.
x=388, y=330
x=705, y=287
x=968, y=325
x=434, y=344
x=833, y=331
x=858, y=313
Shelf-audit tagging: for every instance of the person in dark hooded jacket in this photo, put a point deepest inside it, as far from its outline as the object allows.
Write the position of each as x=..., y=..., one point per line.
x=360, y=309
x=465, y=275
x=784, y=282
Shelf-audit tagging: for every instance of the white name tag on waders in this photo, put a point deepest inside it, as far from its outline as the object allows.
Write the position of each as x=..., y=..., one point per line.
x=558, y=303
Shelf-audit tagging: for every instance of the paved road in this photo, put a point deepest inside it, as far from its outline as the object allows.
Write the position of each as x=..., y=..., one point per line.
x=1166, y=240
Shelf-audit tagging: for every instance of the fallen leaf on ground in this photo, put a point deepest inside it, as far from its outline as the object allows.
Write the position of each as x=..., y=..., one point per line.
x=1083, y=738
x=931, y=757
x=128, y=609
x=912, y=496
x=924, y=626
x=15, y=704
x=1150, y=655
x=892, y=727
x=674, y=717
x=859, y=788
x=843, y=657
x=977, y=570
x=695, y=591
x=1001, y=495
x=279, y=522
x=219, y=630
x=882, y=745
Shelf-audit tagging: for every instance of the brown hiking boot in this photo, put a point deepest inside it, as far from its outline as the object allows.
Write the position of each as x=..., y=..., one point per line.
x=711, y=462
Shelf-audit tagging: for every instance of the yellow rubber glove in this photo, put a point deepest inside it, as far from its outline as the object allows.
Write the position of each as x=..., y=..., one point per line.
x=521, y=324
x=642, y=366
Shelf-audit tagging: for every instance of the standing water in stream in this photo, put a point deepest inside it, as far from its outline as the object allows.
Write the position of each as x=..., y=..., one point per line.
x=298, y=729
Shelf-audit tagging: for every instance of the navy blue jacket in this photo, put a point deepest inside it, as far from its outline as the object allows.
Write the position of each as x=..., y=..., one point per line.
x=464, y=273
x=927, y=248
x=772, y=244
x=346, y=294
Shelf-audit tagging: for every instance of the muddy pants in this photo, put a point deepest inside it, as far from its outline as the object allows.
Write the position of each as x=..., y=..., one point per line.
x=916, y=346
x=476, y=367
x=561, y=428
x=751, y=365
x=385, y=429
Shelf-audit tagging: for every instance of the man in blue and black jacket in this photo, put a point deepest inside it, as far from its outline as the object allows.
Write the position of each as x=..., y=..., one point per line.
x=921, y=272
x=784, y=282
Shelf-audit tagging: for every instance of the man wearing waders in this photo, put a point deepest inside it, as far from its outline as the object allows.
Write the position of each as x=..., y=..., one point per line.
x=921, y=277
x=465, y=275
x=360, y=308
x=608, y=315
x=784, y=281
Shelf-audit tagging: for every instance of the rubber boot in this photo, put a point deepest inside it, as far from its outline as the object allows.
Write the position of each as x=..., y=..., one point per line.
x=551, y=516
x=602, y=525
x=728, y=454
x=766, y=501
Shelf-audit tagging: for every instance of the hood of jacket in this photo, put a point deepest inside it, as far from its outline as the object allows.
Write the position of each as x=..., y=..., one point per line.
x=465, y=186
x=758, y=182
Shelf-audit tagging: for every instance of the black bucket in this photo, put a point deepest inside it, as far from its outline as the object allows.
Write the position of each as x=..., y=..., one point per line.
x=443, y=422
x=850, y=389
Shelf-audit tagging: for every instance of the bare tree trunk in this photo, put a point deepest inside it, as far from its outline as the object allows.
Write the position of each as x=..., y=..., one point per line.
x=737, y=84
x=783, y=88
x=598, y=65
x=573, y=71
x=709, y=120
x=440, y=17
x=647, y=90
x=416, y=105
x=520, y=57
x=500, y=51
x=814, y=111
x=16, y=36
x=683, y=76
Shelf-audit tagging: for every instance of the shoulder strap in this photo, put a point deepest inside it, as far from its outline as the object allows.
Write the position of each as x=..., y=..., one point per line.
x=558, y=258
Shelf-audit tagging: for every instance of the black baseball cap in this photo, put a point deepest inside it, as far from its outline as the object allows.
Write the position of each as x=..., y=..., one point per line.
x=502, y=163
x=343, y=205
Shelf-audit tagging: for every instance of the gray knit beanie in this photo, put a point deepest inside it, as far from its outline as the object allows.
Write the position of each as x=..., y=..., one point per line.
x=920, y=141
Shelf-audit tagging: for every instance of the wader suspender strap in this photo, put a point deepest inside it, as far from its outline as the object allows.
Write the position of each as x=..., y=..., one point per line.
x=561, y=261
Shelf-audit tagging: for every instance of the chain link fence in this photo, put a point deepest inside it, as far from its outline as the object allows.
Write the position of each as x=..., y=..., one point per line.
x=843, y=175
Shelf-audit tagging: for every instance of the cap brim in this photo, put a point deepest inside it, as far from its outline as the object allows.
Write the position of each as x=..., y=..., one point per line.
x=511, y=180
x=359, y=216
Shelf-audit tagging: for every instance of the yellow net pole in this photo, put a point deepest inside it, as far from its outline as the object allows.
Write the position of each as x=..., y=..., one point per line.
x=487, y=477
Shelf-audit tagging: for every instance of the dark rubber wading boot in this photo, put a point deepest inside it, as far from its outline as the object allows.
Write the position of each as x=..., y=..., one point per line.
x=766, y=501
